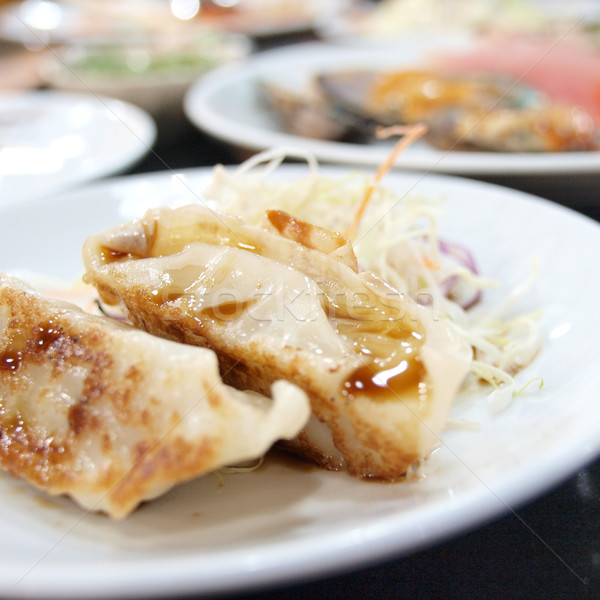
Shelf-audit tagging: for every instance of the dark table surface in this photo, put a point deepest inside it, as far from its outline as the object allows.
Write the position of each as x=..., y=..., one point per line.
x=548, y=548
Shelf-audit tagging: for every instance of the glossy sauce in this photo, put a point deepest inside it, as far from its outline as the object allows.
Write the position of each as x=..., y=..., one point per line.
x=11, y=360
x=47, y=334
x=44, y=336
x=109, y=255
x=380, y=384
x=12, y=356
x=387, y=343
x=171, y=238
x=389, y=347
x=309, y=235
x=227, y=311
x=295, y=229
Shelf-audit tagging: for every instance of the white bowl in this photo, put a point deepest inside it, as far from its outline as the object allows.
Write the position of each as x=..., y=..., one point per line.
x=153, y=74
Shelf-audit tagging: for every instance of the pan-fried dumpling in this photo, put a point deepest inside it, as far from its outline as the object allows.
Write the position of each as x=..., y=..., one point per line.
x=286, y=301
x=111, y=415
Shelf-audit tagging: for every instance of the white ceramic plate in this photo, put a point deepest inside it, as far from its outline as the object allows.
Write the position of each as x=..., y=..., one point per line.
x=160, y=92
x=53, y=140
x=284, y=522
x=227, y=105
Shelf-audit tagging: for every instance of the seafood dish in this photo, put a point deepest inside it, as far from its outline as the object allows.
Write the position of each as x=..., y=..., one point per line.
x=462, y=111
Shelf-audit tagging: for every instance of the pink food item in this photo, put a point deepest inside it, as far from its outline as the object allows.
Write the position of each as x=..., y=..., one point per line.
x=566, y=69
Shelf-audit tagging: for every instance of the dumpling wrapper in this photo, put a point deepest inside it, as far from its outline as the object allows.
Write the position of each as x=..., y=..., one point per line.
x=111, y=415
x=286, y=301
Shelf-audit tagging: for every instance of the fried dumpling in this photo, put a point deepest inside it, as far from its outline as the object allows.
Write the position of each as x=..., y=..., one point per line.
x=286, y=301
x=112, y=416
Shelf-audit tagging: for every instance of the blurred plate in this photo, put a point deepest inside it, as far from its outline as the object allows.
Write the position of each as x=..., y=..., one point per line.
x=38, y=23
x=153, y=73
x=228, y=105
x=382, y=22
x=287, y=521
x=50, y=141
x=271, y=18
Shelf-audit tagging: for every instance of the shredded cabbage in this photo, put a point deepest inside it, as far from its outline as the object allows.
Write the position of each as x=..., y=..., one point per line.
x=397, y=239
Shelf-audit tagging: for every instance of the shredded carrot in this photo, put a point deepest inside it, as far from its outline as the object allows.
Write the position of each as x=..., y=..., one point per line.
x=431, y=264
x=410, y=134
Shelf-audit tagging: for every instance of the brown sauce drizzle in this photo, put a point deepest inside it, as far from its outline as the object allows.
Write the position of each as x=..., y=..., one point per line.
x=388, y=345
x=171, y=238
x=110, y=255
x=12, y=356
x=48, y=334
x=305, y=233
x=11, y=360
x=381, y=383
x=295, y=229
x=43, y=337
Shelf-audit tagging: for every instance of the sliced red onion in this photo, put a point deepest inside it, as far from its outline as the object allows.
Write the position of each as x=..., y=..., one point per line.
x=460, y=253
x=463, y=256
